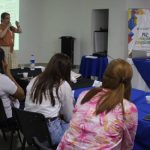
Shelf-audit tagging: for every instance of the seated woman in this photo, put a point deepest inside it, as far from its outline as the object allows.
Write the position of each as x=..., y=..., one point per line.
x=50, y=94
x=104, y=118
x=10, y=91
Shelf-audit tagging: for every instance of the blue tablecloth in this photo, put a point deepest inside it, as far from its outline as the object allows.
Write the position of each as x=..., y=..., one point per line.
x=78, y=91
x=142, y=139
x=93, y=66
x=143, y=67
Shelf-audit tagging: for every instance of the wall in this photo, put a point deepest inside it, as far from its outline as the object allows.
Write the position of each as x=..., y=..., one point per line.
x=30, y=39
x=138, y=4
x=62, y=18
x=44, y=21
x=117, y=26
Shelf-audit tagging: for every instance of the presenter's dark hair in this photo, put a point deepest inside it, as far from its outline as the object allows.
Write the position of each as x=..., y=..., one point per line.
x=3, y=15
x=57, y=71
x=2, y=57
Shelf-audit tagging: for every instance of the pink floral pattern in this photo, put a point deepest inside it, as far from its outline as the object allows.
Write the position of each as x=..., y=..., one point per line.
x=102, y=132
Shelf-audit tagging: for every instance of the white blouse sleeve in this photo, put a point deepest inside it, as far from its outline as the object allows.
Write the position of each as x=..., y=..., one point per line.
x=8, y=85
x=65, y=95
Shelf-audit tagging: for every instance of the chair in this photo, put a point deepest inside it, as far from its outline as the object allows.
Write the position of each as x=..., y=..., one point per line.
x=39, y=145
x=8, y=125
x=34, y=128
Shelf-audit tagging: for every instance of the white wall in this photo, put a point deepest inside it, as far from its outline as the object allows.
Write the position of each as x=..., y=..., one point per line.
x=138, y=3
x=117, y=35
x=44, y=21
x=62, y=18
x=30, y=39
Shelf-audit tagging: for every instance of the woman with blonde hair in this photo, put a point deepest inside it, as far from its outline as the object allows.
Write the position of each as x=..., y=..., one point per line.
x=104, y=118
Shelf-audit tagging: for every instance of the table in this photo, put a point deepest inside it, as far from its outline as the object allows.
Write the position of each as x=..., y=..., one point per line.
x=137, y=80
x=93, y=66
x=18, y=75
x=18, y=72
x=81, y=83
x=23, y=82
x=142, y=139
x=143, y=65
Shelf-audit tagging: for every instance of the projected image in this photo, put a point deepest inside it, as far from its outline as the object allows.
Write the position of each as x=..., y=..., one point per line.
x=12, y=7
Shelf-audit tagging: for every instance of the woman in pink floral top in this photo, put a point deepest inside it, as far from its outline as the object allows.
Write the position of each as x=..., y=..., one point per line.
x=104, y=118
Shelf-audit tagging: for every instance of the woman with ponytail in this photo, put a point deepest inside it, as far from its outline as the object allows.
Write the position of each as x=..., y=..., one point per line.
x=104, y=118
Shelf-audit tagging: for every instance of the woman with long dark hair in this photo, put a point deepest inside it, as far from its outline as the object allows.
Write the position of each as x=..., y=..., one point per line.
x=50, y=94
x=104, y=118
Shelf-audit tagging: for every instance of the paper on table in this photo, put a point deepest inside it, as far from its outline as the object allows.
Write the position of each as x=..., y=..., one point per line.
x=97, y=83
x=74, y=76
x=89, y=56
x=41, y=67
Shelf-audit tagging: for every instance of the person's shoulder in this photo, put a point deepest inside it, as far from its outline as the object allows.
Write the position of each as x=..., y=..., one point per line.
x=65, y=83
x=65, y=86
x=4, y=77
x=6, y=82
x=129, y=105
x=32, y=81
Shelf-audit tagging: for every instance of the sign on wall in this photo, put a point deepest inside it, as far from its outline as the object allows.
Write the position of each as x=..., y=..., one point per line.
x=138, y=30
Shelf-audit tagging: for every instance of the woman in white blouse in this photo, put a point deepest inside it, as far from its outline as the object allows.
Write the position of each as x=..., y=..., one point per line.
x=50, y=94
x=10, y=90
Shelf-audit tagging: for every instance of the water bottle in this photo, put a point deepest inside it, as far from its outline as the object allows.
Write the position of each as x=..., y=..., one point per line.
x=32, y=62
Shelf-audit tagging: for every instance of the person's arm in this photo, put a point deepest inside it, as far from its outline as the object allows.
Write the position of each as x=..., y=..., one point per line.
x=130, y=128
x=66, y=101
x=3, y=32
x=19, y=94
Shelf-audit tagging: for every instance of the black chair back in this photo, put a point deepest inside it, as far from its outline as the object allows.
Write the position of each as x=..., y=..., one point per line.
x=32, y=125
x=3, y=116
x=8, y=125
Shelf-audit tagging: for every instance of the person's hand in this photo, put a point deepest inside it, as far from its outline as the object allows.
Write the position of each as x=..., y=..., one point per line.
x=17, y=24
x=11, y=28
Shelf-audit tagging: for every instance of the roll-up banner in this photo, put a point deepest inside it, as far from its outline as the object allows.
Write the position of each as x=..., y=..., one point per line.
x=138, y=30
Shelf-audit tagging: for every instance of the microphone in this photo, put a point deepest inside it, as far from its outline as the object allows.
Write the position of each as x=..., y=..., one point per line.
x=11, y=28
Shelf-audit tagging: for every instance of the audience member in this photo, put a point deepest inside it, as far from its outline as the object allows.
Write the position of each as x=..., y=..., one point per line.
x=104, y=118
x=50, y=94
x=10, y=91
x=7, y=36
